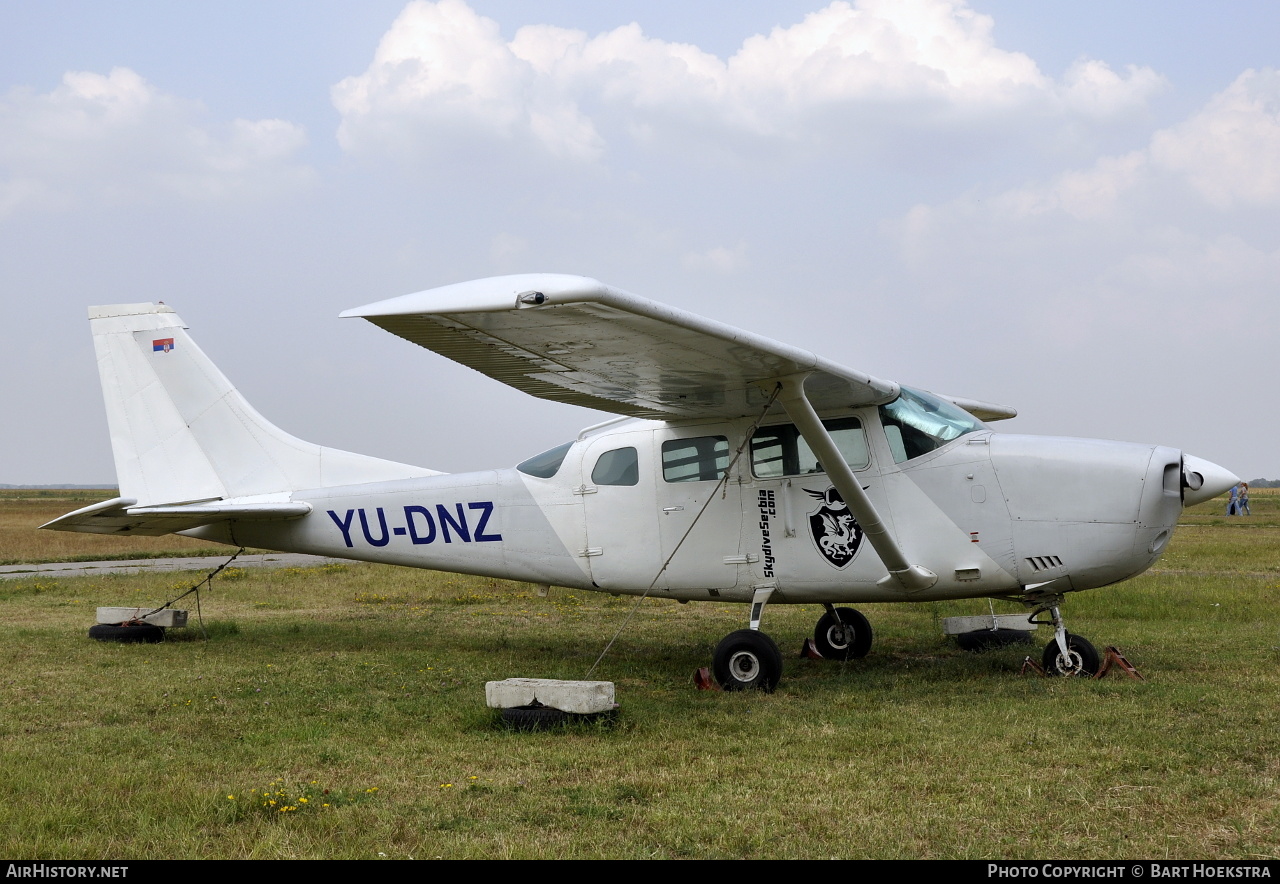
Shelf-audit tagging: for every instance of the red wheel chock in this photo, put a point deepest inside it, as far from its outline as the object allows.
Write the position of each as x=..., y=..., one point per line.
x=810, y=651
x=1117, y=659
x=703, y=681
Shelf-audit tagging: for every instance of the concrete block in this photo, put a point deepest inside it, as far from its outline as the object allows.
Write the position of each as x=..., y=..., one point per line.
x=169, y=617
x=582, y=697
x=961, y=625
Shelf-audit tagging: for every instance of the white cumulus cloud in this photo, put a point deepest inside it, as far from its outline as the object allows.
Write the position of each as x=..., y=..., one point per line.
x=1230, y=151
x=720, y=259
x=441, y=69
x=1227, y=154
x=116, y=136
x=443, y=72
x=1091, y=87
x=1172, y=239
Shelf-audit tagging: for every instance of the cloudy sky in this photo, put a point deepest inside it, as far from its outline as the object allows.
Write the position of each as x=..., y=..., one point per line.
x=1068, y=207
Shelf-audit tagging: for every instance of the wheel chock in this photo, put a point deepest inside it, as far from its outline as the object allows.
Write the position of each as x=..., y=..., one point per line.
x=703, y=681
x=1029, y=665
x=1115, y=658
x=809, y=651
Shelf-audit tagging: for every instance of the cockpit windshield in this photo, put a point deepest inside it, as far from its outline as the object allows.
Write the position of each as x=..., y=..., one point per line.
x=918, y=422
x=546, y=464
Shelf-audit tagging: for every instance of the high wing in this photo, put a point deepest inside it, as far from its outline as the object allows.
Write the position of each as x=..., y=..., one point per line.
x=574, y=339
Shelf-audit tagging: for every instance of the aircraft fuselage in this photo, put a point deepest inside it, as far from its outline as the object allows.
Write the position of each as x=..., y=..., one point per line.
x=989, y=513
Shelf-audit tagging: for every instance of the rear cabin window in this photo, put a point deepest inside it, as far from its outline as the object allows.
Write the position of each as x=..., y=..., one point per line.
x=546, y=464
x=700, y=459
x=781, y=450
x=620, y=466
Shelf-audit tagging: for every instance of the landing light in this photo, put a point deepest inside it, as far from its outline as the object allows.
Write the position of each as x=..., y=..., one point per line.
x=1161, y=541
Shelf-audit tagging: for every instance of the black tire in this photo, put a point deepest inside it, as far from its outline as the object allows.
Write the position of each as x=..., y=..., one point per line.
x=990, y=639
x=747, y=660
x=849, y=638
x=1084, y=658
x=533, y=718
x=137, y=632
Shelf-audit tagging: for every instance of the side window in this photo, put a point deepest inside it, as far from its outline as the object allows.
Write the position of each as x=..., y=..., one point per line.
x=701, y=459
x=620, y=466
x=546, y=464
x=781, y=450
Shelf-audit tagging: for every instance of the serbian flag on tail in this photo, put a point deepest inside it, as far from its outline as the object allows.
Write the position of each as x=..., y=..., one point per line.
x=163, y=345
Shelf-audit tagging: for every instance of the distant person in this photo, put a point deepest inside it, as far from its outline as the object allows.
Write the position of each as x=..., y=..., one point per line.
x=1232, y=500
x=1242, y=501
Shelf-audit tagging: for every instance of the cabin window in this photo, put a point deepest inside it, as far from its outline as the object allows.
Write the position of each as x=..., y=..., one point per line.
x=918, y=422
x=546, y=464
x=621, y=466
x=700, y=459
x=781, y=450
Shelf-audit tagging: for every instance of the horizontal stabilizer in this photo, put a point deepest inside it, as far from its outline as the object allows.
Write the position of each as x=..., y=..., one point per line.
x=120, y=515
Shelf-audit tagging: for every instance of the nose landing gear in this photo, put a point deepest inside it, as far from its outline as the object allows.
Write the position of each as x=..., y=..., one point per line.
x=1081, y=658
x=1067, y=654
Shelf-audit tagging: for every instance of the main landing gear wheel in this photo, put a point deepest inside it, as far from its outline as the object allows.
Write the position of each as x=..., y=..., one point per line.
x=747, y=660
x=1082, y=659
x=842, y=634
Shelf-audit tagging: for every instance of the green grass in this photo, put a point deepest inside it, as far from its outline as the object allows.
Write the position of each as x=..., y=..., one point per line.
x=368, y=682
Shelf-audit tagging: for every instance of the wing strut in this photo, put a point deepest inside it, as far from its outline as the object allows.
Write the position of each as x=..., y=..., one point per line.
x=907, y=576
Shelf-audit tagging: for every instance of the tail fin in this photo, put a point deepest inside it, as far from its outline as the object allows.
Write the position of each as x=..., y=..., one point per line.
x=180, y=432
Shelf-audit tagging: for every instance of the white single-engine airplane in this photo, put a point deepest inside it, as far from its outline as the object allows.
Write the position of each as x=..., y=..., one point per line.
x=740, y=469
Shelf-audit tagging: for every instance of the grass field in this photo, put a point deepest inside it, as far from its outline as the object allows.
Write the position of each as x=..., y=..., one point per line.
x=360, y=687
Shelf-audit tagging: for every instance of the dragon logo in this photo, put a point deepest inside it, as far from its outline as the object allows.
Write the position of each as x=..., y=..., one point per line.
x=836, y=533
